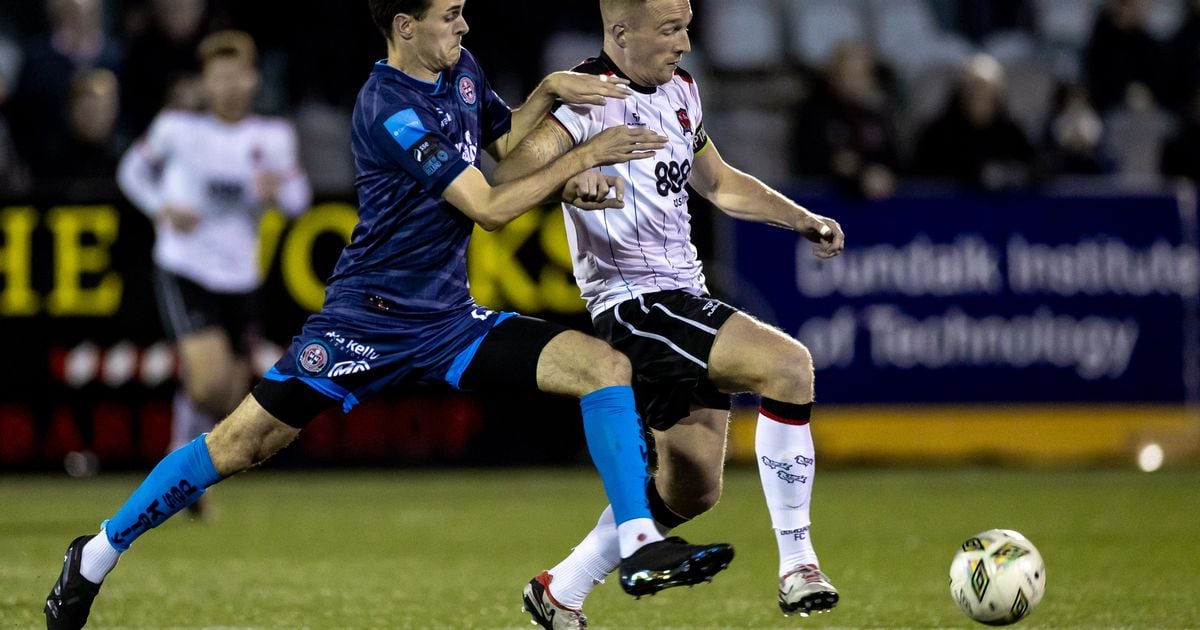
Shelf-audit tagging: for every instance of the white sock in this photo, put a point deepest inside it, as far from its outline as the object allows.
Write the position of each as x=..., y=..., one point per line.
x=98, y=558
x=187, y=421
x=635, y=534
x=786, y=463
x=588, y=564
x=592, y=560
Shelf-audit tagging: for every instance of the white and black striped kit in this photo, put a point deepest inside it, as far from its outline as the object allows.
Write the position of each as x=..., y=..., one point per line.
x=646, y=246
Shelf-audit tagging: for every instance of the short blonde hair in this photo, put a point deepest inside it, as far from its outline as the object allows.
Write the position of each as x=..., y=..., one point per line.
x=613, y=11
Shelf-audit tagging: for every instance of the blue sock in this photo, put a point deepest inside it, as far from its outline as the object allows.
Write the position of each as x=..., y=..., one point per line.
x=618, y=448
x=175, y=483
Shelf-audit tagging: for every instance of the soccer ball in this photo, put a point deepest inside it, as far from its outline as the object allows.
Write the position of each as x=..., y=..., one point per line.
x=997, y=577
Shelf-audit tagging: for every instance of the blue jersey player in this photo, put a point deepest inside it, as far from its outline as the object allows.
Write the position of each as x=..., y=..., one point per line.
x=398, y=312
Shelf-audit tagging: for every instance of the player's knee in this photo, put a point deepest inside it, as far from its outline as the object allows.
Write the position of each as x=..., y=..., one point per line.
x=791, y=377
x=241, y=442
x=230, y=453
x=696, y=499
x=702, y=503
x=606, y=368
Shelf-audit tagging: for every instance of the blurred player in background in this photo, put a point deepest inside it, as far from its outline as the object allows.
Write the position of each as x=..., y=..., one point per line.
x=398, y=311
x=205, y=179
x=645, y=289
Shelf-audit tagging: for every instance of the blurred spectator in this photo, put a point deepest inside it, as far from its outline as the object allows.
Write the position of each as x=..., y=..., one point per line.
x=1074, y=135
x=1136, y=133
x=76, y=42
x=975, y=141
x=1181, y=156
x=1183, y=59
x=85, y=162
x=14, y=176
x=159, y=55
x=846, y=130
x=1122, y=53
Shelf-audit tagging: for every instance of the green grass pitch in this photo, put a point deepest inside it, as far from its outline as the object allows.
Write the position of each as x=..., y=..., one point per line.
x=453, y=549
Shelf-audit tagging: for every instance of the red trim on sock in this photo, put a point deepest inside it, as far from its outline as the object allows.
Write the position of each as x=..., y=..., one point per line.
x=781, y=419
x=545, y=578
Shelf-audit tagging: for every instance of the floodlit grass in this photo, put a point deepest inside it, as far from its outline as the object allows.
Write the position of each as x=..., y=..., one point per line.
x=437, y=549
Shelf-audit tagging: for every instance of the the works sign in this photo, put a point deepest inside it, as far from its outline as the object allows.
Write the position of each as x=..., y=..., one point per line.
x=88, y=368
x=990, y=299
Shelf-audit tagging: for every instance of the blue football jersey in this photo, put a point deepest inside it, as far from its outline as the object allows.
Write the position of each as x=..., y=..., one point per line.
x=410, y=139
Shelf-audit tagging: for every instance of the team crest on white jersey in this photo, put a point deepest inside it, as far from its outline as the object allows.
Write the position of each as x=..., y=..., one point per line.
x=685, y=121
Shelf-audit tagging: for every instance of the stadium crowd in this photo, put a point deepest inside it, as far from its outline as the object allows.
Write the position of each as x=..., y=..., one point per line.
x=865, y=94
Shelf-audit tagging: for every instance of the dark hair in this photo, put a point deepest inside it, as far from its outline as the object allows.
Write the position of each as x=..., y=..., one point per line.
x=383, y=11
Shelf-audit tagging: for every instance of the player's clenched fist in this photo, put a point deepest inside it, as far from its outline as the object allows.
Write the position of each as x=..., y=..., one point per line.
x=593, y=190
x=622, y=144
x=826, y=236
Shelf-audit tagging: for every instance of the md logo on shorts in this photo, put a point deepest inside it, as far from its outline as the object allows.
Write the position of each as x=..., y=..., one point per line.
x=348, y=367
x=313, y=357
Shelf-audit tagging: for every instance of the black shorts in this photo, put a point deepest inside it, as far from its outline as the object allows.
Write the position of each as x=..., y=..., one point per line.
x=668, y=337
x=187, y=307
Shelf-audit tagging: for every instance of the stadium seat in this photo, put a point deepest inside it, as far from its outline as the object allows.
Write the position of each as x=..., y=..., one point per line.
x=324, y=133
x=1164, y=17
x=753, y=140
x=1135, y=139
x=928, y=92
x=816, y=27
x=1009, y=47
x=1067, y=22
x=566, y=49
x=743, y=35
x=908, y=35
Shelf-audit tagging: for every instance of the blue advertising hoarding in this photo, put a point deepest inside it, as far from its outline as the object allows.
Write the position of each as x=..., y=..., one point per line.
x=1014, y=299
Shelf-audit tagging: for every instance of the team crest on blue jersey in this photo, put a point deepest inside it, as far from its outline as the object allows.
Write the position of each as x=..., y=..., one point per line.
x=685, y=121
x=467, y=91
x=313, y=358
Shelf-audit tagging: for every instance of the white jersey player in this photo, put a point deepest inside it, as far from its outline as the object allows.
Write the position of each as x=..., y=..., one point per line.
x=629, y=231
x=209, y=168
x=205, y=179
x=645, y=247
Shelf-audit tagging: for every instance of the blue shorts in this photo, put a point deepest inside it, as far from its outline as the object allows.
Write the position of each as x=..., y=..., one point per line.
x=354, y=348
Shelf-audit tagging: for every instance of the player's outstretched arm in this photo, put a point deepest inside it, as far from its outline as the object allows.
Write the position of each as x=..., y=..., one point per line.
x=546, y=143
x=494, y=206
x=743, y=196
x=572, y=88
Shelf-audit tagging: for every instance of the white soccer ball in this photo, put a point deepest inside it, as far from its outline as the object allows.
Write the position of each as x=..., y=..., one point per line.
x=997, y=577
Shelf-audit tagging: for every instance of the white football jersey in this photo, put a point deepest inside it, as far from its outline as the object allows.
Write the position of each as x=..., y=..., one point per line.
x=646, y=246
x=210, y=167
